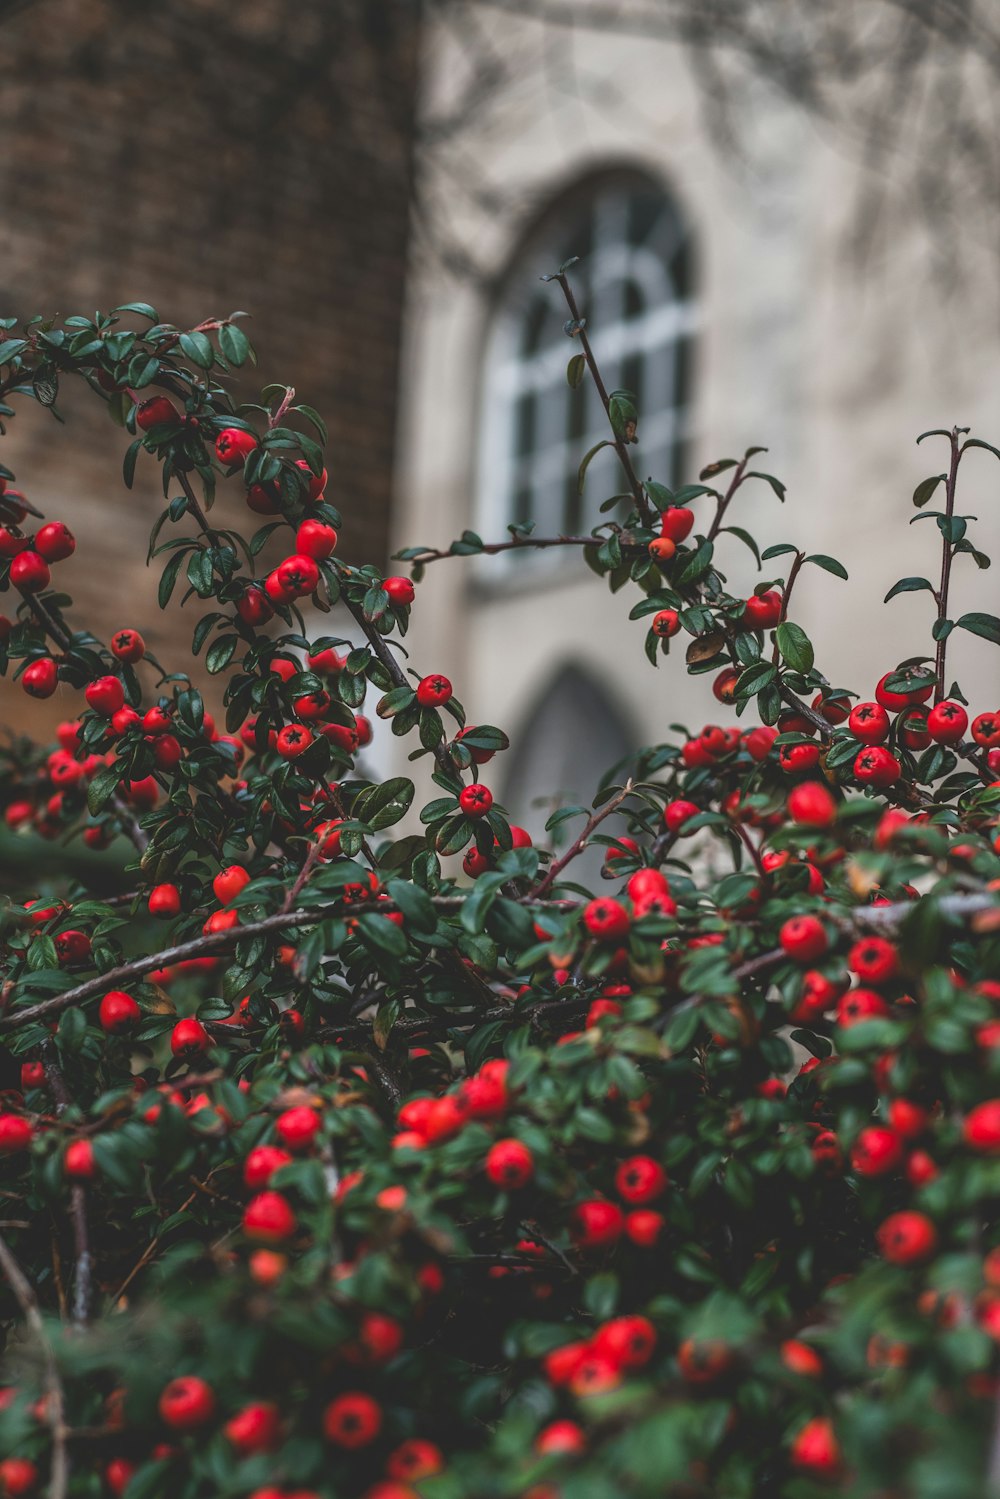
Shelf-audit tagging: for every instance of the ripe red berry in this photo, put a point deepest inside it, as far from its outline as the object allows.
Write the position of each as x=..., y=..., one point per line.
x=29, y=572
x=269, y=1218
x=596, y=1223
x=947, y=722
x=32, y=1075
x=255, y=1428
x=433, y=691
x=811, y=804
x=801, y=1359
x=156, y=412
x=763, y=610
x=859, y=1005
x=803, y=938
x=644, y=1227
x=724, y=686
x=254, y=607
x=128, y=645
x=19, y=1477
x=229, y=882
x=640, y=1179
x=906, y=1238
x=293, y=741
x=402, y=593
x=760, y=741
x=297, y=1128
x=156, y=721
x=475, y=800
x=509, y=1164
x=72, y=947
x=414, y=1459
x=677, y=813
x=665, y=624
x=234, y=445
x=986, y=730
x=315, y=539
x=164, y=900
x=315, y=483
x=877, y=1150
x=981, y=1129
x=869, y=722
x=189, y=1037
x=626, y=1342
x=816, y=1449
x=606, y=919
x=40, y=677
x=352, y=1420
x=676, y=522
x=187, y=1403
x=105, y=695
x=876, y=766
x=15, y=1134
x=118, y=1012
x=298, y=576
x=79, y=1162
x=55, y=542
x=874, y=960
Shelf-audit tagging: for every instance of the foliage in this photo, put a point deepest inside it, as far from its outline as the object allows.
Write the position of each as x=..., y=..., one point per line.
x=469, y=1182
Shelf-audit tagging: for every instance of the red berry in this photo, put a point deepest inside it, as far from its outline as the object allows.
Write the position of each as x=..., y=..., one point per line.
x=297, y=576
x=256, y=1428
x=981, y=1129
x=187, y=1403
x=315, y=483
x=189, y=1037
x=803, y=938
x=677, y=813
x=876, y=766
x=229, y=882
x=869, y=722
x=859, y=1005
x=32, y=1075
x=352, y=1420
x=724, y=686
x=640, y=1179
x=293, y=741
x=234, y=445
x=906, y=1238
x=297, y=1128
x=760, y=741
x=644, y=1227
x=801, y=1359
x=433, y=691
x=815, y=1448
x=315, y=539
x=164, y=900
x=896, y=701
x=79, y=1162
x=475, y=800
x=15, y=1134
x=947, y=722
x=402, y=593
x=72, y=947
x=40, y=677
x=986, y=730
x=874, y=960
x=606, y=919
x=596, y=1223
x=665, y=624
x=509, y=1164
x=877, y=1150
x=763, y=610
x=29, y=572
x=269, y=1217
x=18, y=1477
x=55, y=542
x=254, y=607
x=812, y=805
x=676, y=522
x=156, y=412
x=626, y=1342
x=128, y=645
x=118, y=1012
x=105, y=695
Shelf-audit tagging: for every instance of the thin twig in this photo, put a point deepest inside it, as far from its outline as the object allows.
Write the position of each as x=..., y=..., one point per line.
x=947, y=555
x=55, y=1401
x=579, y=844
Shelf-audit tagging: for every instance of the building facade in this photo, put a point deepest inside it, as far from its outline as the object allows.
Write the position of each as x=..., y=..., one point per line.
x=728, y=299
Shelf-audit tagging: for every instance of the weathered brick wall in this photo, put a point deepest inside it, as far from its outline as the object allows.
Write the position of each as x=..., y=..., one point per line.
x=205, y=157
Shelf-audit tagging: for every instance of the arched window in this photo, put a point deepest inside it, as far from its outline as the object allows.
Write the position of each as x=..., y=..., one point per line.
x=634, y=286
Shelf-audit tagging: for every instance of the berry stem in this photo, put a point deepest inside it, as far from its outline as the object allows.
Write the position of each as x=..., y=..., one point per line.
x=947, y=554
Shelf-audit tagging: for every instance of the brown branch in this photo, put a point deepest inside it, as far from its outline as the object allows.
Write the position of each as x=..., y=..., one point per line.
x=55, y=1401
x=621, y=447
x=519, y=543
x=947, y=557
x=579, y=844
x=78, y=1195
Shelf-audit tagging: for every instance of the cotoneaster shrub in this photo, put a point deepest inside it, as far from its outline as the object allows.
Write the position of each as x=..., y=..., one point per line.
x=352, y=1162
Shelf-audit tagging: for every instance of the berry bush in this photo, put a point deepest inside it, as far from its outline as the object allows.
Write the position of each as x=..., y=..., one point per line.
x=355, y=1148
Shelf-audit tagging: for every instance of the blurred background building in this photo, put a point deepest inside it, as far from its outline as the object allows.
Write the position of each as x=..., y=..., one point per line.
x=381, y=183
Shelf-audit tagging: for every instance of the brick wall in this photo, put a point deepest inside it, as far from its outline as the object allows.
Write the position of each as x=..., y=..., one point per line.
x=204, y=157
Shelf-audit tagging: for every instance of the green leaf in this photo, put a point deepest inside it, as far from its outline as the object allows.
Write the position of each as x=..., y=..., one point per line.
x=10, y=348
x=908, y=585
x=575, y=370
x=779, y=550
x=169, y=578
x=755, y=677
x=198, y=348
x=415, y=905
x=795, y=646
x=925, y=489
x=987, y=626
x=234, y=344
x=581, y=472
x=747, y=541
x=220, y=653
x=829, y=564
x=381, y=806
